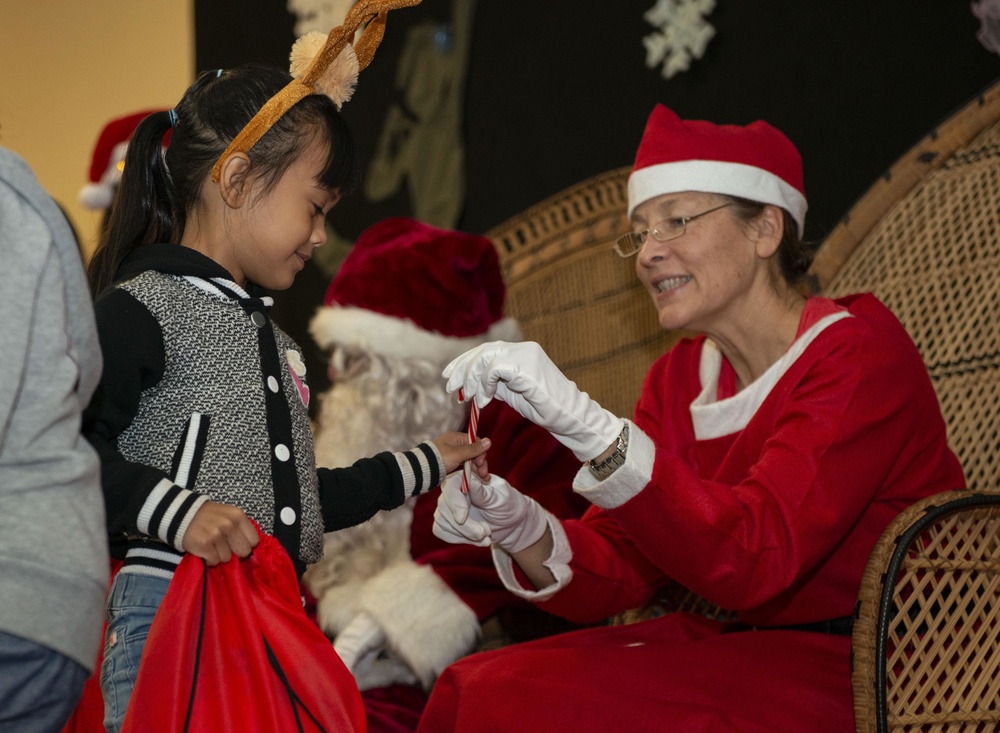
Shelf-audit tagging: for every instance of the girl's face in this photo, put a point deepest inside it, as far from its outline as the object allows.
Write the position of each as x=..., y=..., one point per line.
x=702, y=280
x=284, y=225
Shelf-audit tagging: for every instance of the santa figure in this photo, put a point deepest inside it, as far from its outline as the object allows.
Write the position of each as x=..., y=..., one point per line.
x=399, y=603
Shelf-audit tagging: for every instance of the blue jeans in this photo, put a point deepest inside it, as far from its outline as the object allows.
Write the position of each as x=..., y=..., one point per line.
x=132, y=603
x=39, y=687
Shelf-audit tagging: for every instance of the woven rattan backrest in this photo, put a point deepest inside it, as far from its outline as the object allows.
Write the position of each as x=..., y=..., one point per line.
x=575, y=297
x=926, y=240
x=927, y=627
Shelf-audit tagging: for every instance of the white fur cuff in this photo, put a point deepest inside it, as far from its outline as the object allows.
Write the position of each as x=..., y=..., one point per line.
x=558, y=565
x=629, y=480
x=425, y=623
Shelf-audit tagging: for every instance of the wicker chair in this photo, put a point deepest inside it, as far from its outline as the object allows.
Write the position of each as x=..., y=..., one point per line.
x=924, y=239
x=926, y=632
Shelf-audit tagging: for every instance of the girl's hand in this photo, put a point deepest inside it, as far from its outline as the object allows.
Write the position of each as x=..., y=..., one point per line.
x=219, y=531
x=456, y=449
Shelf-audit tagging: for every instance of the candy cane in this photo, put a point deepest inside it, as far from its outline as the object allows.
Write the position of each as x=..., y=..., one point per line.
x=473, y=426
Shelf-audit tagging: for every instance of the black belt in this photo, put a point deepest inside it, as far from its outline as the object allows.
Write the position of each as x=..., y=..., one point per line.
x=842, y=626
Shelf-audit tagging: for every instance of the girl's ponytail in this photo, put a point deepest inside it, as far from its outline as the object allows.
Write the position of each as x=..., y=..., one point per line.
x=145, y=208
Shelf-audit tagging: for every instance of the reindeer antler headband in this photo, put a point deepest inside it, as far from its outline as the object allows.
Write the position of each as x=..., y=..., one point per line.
x=332, y=70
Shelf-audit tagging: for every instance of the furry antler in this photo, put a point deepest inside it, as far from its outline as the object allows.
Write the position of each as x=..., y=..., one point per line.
x=332, y=71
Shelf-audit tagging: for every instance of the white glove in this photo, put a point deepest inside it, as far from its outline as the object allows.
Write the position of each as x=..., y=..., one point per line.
x=524, y=377
x=362, y=639
x=491, y=513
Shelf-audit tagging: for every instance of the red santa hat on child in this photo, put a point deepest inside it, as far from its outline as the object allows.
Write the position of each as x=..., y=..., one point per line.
x=755, y=162
x=108, y=160
x=408, y=289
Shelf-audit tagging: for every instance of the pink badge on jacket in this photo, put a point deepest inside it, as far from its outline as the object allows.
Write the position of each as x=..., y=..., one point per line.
x=297, y=368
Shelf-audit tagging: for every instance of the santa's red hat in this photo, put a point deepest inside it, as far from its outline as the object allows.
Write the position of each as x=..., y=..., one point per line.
x=755, y=162
x=408, y=289
x=108, y=160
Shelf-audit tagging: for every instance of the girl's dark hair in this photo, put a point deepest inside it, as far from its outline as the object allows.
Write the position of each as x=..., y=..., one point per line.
x=157, y=190
x=793, y=254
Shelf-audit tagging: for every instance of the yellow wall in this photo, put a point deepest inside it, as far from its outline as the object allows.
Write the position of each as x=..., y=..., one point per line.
x=68, y=67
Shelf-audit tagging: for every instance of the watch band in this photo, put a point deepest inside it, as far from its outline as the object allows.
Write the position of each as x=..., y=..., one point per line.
x=609, y=465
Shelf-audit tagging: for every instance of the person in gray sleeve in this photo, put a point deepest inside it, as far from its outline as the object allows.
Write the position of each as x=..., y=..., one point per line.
x=54, y=563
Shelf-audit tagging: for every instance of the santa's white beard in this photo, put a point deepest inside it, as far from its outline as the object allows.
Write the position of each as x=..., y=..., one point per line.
x=381, y=404
x=348, y=428
x=392, y=405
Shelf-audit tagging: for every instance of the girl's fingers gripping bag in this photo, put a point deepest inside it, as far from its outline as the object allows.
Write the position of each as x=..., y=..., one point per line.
x=231, y=649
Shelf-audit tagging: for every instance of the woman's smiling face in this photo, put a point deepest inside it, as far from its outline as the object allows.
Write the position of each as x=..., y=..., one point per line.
x=698, y=280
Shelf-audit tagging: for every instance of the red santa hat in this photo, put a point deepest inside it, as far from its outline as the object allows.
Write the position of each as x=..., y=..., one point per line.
x=108, y=160
x=408, y=289
x=755, y=162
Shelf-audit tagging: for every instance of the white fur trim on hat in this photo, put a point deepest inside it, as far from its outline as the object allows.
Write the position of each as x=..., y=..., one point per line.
x=99, y=194
x=96, y=195
x=712, y=176
x=399, y=337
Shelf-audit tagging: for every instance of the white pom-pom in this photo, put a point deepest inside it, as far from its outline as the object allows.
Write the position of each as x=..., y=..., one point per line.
x=97, y=195
x=303, y=52
x=341, y=77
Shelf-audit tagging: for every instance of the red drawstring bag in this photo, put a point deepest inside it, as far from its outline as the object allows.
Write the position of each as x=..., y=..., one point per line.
x=231, y=649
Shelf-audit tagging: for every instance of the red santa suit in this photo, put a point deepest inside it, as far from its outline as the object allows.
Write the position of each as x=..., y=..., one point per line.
x=766, y=501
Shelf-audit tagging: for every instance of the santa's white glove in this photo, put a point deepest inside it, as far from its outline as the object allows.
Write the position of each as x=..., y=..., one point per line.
x=360, y=641
x=491, y=513
x=523, y=376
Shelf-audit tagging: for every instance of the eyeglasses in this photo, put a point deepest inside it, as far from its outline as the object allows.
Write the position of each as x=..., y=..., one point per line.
x=668, y=229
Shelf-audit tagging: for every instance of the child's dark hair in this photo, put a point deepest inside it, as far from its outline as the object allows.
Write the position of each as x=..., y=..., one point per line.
x=157, y=190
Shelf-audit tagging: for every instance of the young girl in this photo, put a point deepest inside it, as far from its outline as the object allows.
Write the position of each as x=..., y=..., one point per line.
x=202, y=421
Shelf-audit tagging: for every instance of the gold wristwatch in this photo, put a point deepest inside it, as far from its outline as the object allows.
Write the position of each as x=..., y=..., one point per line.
x=609, y=465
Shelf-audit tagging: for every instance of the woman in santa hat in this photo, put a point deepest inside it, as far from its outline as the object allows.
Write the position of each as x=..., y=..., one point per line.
x=764, y=459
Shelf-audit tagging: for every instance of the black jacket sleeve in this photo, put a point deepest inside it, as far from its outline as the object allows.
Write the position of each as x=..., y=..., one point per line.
x=354, y=494
x=132, y=346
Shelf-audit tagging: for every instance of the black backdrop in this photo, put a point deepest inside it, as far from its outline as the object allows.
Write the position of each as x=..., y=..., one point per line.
x=559, y=91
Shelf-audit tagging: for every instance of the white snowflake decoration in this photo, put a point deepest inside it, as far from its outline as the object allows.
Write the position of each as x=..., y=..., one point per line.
x=988, y=12
x=683, y=34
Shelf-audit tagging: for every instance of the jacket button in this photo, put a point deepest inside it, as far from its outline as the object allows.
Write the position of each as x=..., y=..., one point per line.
x=258, y=319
